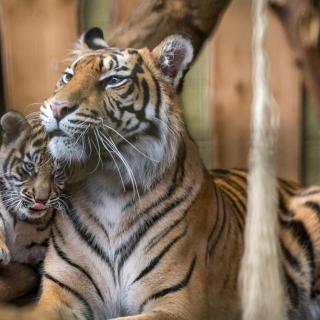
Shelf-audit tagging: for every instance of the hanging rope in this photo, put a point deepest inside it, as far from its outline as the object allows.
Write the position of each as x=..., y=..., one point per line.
x=261, y=286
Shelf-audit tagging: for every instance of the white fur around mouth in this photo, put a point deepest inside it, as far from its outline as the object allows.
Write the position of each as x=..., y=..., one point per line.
x=62, y=148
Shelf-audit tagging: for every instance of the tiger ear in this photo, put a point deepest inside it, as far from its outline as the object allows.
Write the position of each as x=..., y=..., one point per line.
x=13, y=124
x=92, y=39
x=173, y=57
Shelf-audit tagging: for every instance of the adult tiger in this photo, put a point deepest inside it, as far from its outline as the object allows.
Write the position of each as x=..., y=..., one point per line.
x=148, y=234
x=29, y=194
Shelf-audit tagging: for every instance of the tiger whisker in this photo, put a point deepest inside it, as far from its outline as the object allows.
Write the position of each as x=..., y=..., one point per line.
x=125, y=163
x=114, y=160
x=126, y=140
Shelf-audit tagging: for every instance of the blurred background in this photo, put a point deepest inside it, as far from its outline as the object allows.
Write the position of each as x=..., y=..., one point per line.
x=36, y=36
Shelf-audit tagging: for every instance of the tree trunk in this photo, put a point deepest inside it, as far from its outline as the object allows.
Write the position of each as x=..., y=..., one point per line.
x=301, y=21
x=153, y=20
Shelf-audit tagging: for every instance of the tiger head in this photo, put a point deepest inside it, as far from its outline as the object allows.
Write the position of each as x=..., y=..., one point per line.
x=118, y=107
x=28, y=184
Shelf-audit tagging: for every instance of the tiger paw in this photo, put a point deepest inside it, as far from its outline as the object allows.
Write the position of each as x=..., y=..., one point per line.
x=4, y=254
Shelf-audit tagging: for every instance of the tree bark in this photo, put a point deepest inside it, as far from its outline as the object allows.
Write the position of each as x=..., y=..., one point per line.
x=153, y=20
x=301, y=21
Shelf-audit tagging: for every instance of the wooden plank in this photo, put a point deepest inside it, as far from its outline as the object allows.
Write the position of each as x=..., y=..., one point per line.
x=231, y=69
x=232, y=63
x=35, y=38
x=286, y=84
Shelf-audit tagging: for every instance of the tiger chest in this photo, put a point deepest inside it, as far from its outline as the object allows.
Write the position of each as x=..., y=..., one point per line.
x=113, y=258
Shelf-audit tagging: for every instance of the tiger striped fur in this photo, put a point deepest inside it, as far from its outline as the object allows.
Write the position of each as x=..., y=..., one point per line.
x=29, y=191
x=148, y=233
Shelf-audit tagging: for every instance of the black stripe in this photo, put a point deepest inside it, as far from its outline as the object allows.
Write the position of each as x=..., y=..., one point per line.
x=238, y=203
x=292, y=260
x=216, y=212
x=216, y=240
x=38, y=142
x=156, y=239
x=64, y=257
x=308, y=192
x=283, y=206
x=146, y=94
x=96, y=220
x=290, y=188
x=158, y=103
x=128, y=247
x=89, y=313
x=44, y=243
x=153, y=263
x=239, y=211
x=313, y=206
x=88, y=237
x=58, y=231
x=128, y=92
x=6, y=162
x=300, y=233
x=183, y=283
x=173, y=186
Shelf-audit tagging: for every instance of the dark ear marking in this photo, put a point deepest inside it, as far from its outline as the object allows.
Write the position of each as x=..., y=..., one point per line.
x=94, y=39
x=13, y=124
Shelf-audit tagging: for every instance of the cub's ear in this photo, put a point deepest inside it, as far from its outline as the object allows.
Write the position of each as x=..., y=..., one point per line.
x=13, y=124
x=92, y=39
x=173, y=57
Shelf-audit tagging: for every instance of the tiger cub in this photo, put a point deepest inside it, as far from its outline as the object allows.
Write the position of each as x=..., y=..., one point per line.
x=29, y=191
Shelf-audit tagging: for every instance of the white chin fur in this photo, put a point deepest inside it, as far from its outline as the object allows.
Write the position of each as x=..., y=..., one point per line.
x=60, y=149
x=47, y=118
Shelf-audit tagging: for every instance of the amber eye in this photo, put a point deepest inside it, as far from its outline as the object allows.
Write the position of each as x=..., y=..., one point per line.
x=67, y=76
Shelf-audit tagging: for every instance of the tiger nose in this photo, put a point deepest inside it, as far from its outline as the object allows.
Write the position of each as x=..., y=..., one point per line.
x=41, y=192
x=42, y=200
x=61, y=109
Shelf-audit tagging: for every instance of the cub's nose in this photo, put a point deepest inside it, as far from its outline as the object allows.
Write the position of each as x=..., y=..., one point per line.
x=43, y=200
x=40, y=204
x=61, y=109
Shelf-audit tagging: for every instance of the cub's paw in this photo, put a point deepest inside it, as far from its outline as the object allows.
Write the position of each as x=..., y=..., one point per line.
x=4, y=254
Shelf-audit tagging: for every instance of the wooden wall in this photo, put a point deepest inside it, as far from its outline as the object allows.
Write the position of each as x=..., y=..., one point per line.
x=36, y=35
x=231, y=66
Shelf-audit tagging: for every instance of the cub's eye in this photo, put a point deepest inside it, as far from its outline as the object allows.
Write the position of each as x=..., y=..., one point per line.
x=29, y=166
x=67, y=76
